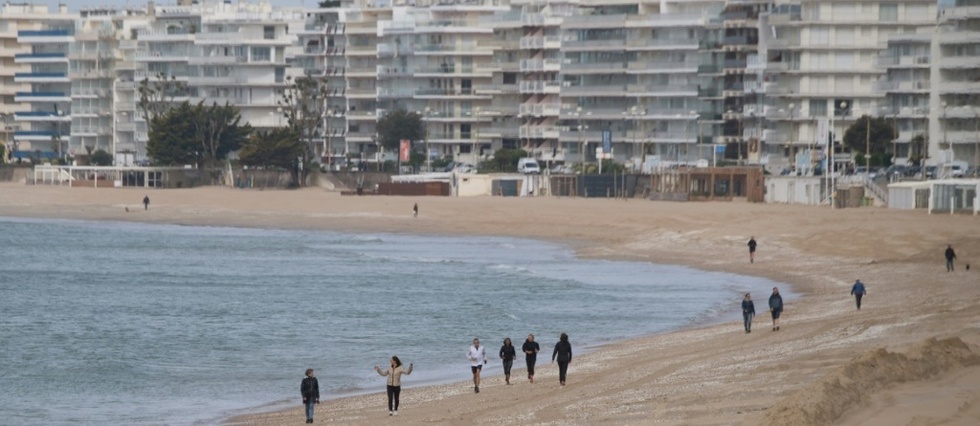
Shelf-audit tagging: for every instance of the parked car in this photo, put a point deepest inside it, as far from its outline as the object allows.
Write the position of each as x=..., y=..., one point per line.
x=528, y=166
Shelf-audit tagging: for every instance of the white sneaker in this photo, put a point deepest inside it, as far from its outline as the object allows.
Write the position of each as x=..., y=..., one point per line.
x=391, y=413
x=396, y=413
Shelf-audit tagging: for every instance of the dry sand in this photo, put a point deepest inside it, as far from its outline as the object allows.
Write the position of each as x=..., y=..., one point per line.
x=830, y=364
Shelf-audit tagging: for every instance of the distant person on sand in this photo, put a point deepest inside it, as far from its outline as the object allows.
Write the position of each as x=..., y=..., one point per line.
x=415, y=210
x=507, y=354
x=146, y=202
x=752, y=244
x=530, y=349
x=950, y=255
x=748, y=312
x=394, y=374
x=478, y=357
x=310, y=390
x=776, y=307
x=563, y=352
x=858, y=291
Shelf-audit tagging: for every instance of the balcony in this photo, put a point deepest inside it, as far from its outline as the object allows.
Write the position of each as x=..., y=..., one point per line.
x=216, y=60
x=539, y=110
x=37, y=135
x=661, y=90
x=617, y=90
x=44, y=36
x=546, y=87
x=531, y=65
x=41, y=116
x=41, y=77
x=91, y=74
x=959, y=87
x=891, y=61
x=540, y=132
x=902, y=86
x=651, y=66
x=173, y=34
x=594, y=45
x=593, y=68
x=959, y=62
x=735, y=63
x=961, y=13
x=41, y=97
x=663, y=44
x=126, y=127
x=444, y=93
x=784, y=43
x=540, y=42
x=40, y=58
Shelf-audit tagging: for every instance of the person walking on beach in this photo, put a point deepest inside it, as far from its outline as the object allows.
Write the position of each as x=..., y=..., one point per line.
x=310, y=390
x=530, y=349
x=394, y=374
x=950, y=255
x=748, y=312
x=858, y=291
x=478, y=357
x=752, y=244
x=146, y=202
x=415, y=210
x=507, y=353
x=776, y=307
x=563, y=352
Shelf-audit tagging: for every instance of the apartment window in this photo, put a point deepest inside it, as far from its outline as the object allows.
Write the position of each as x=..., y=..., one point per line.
x=261, y=54
x=820, y=36
x=820, y=61
x=510, y=78
x=818, y=107
x=888, y=12
x=280, y=74
x=269, y=32
x=844, y=60
x=844, y=37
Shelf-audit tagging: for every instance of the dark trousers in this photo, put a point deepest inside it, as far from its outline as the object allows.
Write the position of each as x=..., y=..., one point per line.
x=857, y=298
x=949, y=265
x=508, y=363
x=530, y=365
x=747, y=317
x=393, y=393
x=562, y=369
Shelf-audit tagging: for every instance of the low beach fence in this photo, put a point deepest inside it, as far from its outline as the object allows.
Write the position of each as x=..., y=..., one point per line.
x=120, y=176
x=619, y=185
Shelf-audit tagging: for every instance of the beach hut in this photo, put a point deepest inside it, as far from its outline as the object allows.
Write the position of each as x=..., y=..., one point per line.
x=954, y=196
x=908, y=195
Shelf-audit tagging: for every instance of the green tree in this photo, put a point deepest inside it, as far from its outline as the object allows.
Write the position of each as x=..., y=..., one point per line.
x=304, y=106
x=174, y=138
x=880, y=136
x=505, y=160
x=157, y=96
x=219, y=130
x=397, y=125
x=100, y=158
x=326, y=4
x=198, y=134
x=280, y=148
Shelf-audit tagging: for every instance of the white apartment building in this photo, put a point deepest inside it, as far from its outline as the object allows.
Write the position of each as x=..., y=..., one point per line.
x=15, y=18
x=322, y=44
x=821, y=67
x=954, y=118
x=906, y=87
x=222, y=52
x=46, y=122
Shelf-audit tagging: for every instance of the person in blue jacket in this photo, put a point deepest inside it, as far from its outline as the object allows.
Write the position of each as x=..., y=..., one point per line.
x=858, y=291
x=775, y=307
x=748, y=311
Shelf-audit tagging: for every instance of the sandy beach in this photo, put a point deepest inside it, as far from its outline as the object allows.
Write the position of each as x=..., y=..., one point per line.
x=910, y=356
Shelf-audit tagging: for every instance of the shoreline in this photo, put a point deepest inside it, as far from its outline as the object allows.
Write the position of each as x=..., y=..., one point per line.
x=688, y=376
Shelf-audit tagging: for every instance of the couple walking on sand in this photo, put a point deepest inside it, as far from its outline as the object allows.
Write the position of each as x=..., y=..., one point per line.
x=310, y=387
x=478, y=358
x=775, y=307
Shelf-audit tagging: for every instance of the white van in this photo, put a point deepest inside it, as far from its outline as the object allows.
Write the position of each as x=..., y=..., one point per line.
x=528, y=166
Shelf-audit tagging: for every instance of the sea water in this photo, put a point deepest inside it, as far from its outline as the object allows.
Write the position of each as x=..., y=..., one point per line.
x=122, y=323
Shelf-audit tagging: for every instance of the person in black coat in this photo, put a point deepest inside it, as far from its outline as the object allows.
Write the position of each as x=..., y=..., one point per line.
x=748, y=311
x=950, y=256
x=530, y=349
x=507, y=353
x=563, y=353
x=310, y=390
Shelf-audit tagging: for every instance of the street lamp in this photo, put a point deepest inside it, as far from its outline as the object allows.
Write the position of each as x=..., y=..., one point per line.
x=792, y=135
x=739, y=136
x=425, y=141
x=476, y=136
x=634, y=113
x=581, y=129
x=831, y=169
x=976, y=147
